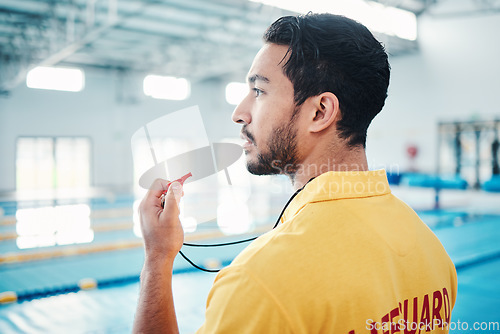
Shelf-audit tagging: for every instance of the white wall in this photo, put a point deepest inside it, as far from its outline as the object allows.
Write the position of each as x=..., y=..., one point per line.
x=109, y=110
x=454, y=76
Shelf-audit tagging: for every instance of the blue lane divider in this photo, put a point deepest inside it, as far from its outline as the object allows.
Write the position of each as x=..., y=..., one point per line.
x=464, y=263
x=493, y=184
x=473, y=243
x=477, y=260
x=105, y=283
x=434, y=181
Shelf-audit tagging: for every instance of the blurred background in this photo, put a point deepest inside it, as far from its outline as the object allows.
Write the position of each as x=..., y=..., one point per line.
x=78, y=78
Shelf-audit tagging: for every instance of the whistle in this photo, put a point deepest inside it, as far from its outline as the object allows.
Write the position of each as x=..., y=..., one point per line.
x=181, y=181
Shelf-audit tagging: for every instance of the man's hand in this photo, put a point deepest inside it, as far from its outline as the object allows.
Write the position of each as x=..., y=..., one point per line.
x=163, y=238
x=161, y=228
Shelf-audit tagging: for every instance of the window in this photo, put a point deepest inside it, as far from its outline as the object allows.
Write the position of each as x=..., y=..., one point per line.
x=52, y=163
x=48, y=163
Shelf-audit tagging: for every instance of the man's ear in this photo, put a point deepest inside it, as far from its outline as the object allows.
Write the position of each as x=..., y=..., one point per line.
x=325, y=111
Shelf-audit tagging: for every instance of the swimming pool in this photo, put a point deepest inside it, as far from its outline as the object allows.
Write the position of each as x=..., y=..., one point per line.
x=471, y=237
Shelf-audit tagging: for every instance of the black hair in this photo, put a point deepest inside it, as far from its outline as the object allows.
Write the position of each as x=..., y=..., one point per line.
x=332, y=53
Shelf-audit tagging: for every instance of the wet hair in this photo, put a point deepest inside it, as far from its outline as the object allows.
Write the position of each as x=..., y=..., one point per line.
x=332, y=53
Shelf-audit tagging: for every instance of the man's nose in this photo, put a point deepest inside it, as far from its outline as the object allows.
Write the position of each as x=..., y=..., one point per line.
x=241, y=113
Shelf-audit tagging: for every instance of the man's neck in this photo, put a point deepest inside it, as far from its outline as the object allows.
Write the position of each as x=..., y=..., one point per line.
x=312, y=166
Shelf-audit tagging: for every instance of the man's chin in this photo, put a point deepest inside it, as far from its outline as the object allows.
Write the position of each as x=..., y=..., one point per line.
x=258, y=167
x=252, y=165
x=256, y=170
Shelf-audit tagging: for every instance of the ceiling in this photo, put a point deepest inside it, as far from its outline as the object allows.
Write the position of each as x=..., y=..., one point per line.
x=196, y=39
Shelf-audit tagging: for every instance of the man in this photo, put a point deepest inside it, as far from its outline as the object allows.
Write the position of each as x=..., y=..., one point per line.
x=348, y=257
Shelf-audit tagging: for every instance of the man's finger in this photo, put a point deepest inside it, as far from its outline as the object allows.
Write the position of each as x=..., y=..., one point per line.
x=157, y=188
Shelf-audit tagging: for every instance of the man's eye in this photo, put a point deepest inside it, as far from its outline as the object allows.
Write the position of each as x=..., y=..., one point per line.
x=257, y=91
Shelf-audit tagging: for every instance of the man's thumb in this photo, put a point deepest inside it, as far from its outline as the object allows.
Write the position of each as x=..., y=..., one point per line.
x=174, y=193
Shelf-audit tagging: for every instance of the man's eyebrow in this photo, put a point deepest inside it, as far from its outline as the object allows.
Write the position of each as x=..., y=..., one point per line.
x=255, y=77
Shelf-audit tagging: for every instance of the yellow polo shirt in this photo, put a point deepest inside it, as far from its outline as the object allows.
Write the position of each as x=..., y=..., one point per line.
x=348, y=257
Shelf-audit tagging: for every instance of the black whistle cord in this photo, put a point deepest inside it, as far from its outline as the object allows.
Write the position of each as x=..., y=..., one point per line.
x=238, y=241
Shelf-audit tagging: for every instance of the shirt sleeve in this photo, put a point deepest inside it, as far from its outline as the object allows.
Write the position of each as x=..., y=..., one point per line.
x=240, y=303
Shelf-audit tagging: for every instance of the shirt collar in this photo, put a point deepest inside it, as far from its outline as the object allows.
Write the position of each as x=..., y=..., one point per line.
x=340, y=185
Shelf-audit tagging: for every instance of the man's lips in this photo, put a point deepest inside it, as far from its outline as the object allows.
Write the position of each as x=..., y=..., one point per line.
x=248, y=142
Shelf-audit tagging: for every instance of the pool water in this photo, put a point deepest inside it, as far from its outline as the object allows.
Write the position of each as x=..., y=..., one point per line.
x=108, y=310
x=471, y=239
